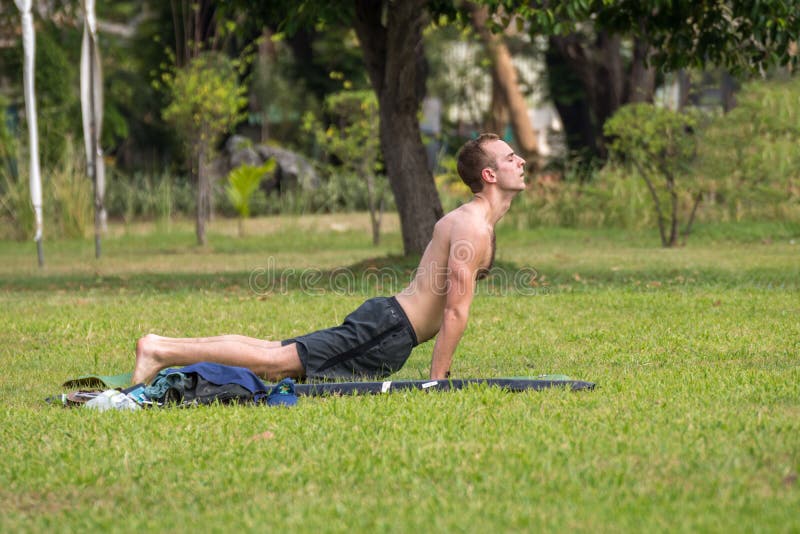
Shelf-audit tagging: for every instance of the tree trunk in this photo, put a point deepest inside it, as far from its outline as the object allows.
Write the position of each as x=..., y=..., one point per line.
x=606, y=82
x=372, y=204
x=697, y=199
x=656, y=203
x=727, y=88
x=684, y=88
x=641, y=84
x=395, y=64
x=498, y=112
x=202, y=199
x=673, y=199
x=505, y=74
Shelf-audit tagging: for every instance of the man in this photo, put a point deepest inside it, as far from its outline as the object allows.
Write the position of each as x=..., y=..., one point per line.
x=376, y=339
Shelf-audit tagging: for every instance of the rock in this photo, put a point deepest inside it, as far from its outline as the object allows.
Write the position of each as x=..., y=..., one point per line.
x=245, y=156
x=292, y=169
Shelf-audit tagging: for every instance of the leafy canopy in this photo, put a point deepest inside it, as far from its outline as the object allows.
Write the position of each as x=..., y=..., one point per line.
x=206, y=99
x=740, y=35
x=652, y=137
x=353, y=137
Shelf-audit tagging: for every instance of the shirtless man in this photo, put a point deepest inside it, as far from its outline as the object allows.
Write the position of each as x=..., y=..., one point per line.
x=375, y=340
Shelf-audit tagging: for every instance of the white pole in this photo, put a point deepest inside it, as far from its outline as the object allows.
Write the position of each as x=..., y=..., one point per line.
x=29, y=47
x=92, y=111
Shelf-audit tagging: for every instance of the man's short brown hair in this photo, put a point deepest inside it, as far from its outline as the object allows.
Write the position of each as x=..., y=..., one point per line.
x=472, y=159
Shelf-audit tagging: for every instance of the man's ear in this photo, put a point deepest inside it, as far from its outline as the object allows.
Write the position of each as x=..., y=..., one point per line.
x=488, y=175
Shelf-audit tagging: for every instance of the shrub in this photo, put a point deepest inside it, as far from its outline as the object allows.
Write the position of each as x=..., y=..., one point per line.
x=71, y=195
x=613, y=198
x=67, y=198
x=147, y=196
x=658, y=143
x=748, y=159
x=243, y=182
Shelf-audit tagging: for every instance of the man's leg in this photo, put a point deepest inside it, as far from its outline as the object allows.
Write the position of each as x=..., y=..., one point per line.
x=265, y=358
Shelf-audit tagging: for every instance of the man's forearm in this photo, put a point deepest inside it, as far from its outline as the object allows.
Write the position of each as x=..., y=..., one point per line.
x=445, y=346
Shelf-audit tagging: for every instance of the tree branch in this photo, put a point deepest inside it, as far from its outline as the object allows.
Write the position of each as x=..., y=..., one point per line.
x=125, y=30
x=656, y=201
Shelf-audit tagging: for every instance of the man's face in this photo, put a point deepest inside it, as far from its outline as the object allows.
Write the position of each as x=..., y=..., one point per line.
x=510, y=173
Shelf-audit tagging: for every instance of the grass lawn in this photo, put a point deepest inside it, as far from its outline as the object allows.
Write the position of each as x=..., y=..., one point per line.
x=695, y=425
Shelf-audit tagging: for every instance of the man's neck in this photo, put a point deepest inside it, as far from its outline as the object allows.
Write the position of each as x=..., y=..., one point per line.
x=495, y=205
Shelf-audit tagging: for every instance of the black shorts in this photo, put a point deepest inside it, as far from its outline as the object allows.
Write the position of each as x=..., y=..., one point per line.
x=373, y=342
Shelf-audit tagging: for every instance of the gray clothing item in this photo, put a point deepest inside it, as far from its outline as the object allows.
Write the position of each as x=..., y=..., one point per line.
x=373, y=342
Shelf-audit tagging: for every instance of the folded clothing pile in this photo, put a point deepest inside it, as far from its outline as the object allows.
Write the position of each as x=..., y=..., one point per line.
x=198, y=384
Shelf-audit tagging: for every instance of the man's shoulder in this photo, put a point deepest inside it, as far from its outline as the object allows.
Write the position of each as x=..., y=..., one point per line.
x=463, y=225
x=463, y=215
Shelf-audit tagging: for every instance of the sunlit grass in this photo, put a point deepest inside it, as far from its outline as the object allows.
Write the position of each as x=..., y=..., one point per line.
x=695, y=425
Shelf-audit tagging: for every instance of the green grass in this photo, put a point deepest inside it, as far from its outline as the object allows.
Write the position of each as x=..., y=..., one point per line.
x=695, y=425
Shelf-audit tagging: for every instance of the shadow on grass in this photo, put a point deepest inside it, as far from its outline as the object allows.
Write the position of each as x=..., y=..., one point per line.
x=390, y=274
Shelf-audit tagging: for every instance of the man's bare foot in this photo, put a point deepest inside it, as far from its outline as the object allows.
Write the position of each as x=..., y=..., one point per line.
x=147, y=364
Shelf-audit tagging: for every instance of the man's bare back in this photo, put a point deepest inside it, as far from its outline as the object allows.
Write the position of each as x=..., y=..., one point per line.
x=425, y=297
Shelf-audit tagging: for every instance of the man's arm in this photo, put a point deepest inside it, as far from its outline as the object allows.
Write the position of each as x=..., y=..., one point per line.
x=467, y=248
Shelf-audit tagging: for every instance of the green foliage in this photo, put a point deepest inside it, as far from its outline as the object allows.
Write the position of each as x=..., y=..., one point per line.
x=67, y=199
x=16, y=210
x=243, y=182
x=8, y=143
x=353, y=139
x=353, y=136
x=748, y=158
x=612, y=199
x=58, y=100
x=338, y=192
x=745, y=168
x=206, y=101
x=657, y=142
x=15, y=204
x=148, y=196
x=70, y=195
x=740, y=35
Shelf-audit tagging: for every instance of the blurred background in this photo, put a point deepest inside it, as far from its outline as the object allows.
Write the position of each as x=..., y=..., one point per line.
x=630, y=116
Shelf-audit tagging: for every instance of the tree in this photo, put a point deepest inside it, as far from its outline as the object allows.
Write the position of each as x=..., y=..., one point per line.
x=607, y=80
x=396, y=68
x=505, y=83
x=206, y=103
x=657, y=142
x=738, y=35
